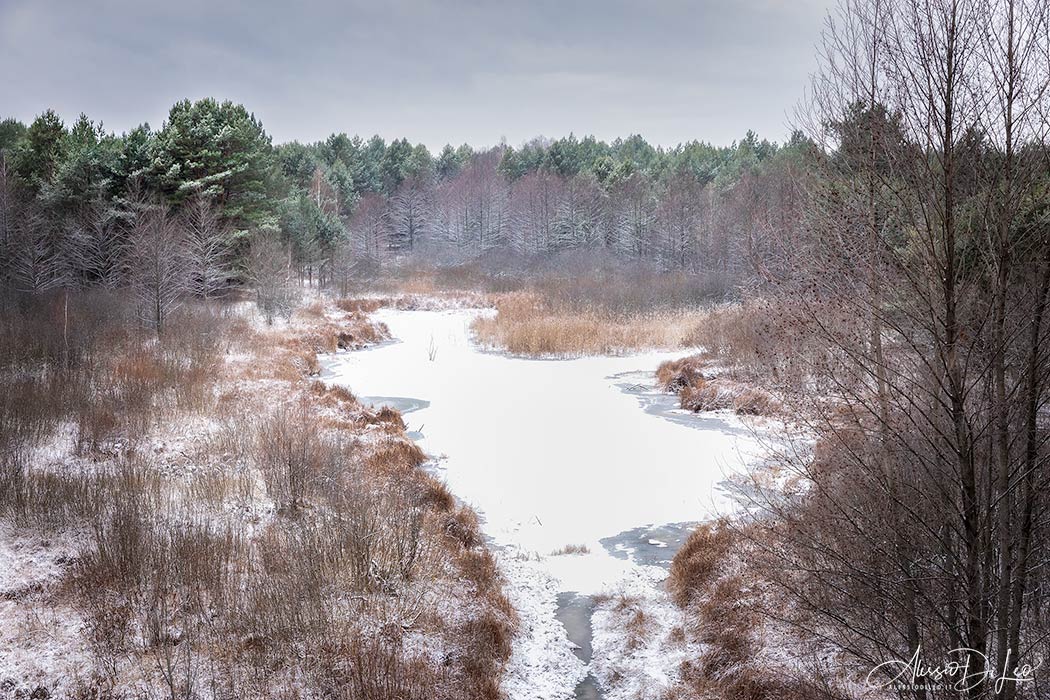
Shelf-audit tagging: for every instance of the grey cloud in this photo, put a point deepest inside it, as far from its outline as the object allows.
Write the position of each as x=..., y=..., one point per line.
x=428, y=70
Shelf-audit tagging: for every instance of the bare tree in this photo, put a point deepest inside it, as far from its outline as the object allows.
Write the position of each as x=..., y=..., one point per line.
x=533, y=205
x=925, y=276
x=269, y=269
x=38, y=262
x=208, y=248
x=677, y=219
x=100, y=246
x=409, y=215
x=370, y=228
x=634, y=228
x=7, y=215
x=578, y=214
x=158, y=263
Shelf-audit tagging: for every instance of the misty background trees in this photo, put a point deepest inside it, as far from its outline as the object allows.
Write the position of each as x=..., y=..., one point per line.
x=71, y=196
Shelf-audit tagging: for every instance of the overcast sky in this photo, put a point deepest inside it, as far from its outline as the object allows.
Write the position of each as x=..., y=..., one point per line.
x=434, y=71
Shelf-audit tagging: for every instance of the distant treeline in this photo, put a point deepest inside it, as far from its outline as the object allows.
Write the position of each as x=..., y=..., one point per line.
x=348, y=203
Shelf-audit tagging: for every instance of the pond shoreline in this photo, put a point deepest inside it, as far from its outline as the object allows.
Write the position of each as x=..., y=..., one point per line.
x=439, y=378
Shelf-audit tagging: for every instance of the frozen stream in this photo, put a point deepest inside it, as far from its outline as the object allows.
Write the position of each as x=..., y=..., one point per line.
x=552, y=453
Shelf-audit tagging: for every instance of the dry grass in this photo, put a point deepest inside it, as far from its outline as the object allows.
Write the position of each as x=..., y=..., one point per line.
x=318, y=333
x=708, y=396
x=699, y=392
x=571, y=549
x=755, y=402
x=268, y=548
x=727, y=610
x=774, y=343
x=697, y=562
x=637, y=629
x=45, y=500
x=462, y=526
x=675, y=375
x=88, y=365
x=361, y=306
x=526, y=324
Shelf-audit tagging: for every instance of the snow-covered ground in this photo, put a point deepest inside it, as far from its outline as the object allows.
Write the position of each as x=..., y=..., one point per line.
x=553, y=453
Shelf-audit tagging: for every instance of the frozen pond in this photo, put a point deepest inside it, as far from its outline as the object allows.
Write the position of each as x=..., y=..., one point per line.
x=551, y=453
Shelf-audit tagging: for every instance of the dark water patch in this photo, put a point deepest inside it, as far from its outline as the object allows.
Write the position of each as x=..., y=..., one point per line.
x=574, y=613
x=649, y=545
x=402, y=404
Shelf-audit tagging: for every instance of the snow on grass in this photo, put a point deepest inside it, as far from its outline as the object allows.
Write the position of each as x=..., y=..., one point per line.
x=41, y=645
x=638, y=641
x=31, y=559
x=39, y=642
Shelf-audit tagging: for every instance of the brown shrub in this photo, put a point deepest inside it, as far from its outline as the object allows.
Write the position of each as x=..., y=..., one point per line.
x=675, y=375
x=166, y=584
x=385, y=416
x=361, y=333
x=697, y=561
x=290, y=453
x=312, y=310
x=755, y=402
x=30, y=408
x=321, y=340
x=714, y=675
x=367, y=667
x=726, y=604
x=360, y=306
x=637, y=629
x=98, y=424
x=479, y=567
x=334, y=396
x=488, y=646
x=772, y=340
x=732, y=331
x=729, y=645
x=306, y=363
x=708, y=396
x=463, y=527
x=46, y=500
x=435, y=495
x=145, y=579
x=393, y=456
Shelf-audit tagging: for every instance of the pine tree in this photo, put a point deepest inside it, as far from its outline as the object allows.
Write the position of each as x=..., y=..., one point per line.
x=220, y=150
